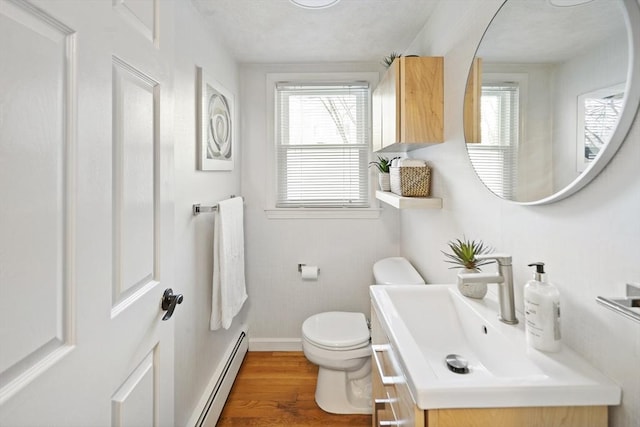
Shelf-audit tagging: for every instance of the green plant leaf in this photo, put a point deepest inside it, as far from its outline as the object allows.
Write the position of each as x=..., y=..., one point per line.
x=463, y=253
x=383, y=164
x=388, y=60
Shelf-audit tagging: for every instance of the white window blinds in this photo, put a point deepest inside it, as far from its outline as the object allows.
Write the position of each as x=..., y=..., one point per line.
x=495, y=158
x=322, y=145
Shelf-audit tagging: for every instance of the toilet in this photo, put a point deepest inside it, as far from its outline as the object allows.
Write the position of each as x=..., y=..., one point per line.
x=339, y=343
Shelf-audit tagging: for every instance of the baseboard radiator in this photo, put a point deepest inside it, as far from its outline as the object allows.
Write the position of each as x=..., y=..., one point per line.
x=215, y=403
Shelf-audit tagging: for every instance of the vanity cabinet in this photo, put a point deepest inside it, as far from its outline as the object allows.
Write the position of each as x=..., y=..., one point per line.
x=408, y=105
x=394, y=406
x=392, y=402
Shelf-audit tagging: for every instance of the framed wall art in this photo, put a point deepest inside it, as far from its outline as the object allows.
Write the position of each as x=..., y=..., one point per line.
x=216, y=125
x=598, y=115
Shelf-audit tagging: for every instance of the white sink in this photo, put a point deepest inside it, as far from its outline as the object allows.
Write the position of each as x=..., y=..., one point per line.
x=425, y=323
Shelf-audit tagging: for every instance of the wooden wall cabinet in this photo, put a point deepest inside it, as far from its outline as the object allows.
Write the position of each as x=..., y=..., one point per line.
x=393, y=405
x=408, y=105
x=472, y=98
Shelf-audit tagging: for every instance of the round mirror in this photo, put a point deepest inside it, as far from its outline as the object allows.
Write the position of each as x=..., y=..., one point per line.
x=551, y=95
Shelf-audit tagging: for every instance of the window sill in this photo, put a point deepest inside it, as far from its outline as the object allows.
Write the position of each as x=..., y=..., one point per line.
x=323, y=213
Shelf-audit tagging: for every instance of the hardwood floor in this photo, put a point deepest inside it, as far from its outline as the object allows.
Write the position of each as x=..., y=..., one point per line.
x=277, y=389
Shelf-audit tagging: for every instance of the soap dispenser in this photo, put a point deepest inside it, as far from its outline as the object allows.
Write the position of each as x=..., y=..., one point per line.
x=542, y=312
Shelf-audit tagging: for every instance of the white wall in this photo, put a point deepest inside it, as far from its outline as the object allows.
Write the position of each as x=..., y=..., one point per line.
x=588, y=241
x=344, y=249
x=535, y=174
x=198, y=351
x=602, y=67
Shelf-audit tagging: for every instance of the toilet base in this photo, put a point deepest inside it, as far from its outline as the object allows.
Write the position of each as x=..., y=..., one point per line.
x=341, y=392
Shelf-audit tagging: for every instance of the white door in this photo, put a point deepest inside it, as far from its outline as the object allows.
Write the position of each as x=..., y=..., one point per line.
x=85, y=213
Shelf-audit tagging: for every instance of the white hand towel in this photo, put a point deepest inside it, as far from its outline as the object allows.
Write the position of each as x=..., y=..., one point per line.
x=411, y=163
x=228, y=285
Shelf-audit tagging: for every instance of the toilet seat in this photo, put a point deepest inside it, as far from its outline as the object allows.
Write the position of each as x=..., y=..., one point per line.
x=337, y=330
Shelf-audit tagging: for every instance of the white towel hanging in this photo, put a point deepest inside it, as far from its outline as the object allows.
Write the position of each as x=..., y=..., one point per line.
x=228, y=284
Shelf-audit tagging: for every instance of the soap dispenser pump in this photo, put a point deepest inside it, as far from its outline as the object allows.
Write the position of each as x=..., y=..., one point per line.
x=542, y=312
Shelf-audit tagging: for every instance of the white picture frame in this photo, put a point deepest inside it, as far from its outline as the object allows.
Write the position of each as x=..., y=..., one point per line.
x=216, y=133
x=598, y=116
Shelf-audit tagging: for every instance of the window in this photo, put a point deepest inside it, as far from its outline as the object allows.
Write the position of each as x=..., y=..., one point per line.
x=322, y=144
x=598, y=115
x=495, y=158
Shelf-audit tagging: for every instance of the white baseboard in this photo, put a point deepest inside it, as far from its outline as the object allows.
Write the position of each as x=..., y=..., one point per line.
x=198, y=417
x=275, y=344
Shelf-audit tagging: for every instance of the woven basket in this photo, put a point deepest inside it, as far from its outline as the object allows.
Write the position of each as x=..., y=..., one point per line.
x=411, y=181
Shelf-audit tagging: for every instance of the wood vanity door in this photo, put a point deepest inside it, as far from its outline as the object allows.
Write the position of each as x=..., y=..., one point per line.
x=392, y=403
x=572, y=416
x=381, y=411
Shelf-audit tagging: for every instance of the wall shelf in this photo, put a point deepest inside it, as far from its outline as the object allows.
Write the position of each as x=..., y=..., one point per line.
x=401, y=202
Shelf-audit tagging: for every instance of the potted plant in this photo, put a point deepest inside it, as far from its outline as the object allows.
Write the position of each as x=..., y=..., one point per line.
x=383, y=164
x=463, y=255
x=388, y=60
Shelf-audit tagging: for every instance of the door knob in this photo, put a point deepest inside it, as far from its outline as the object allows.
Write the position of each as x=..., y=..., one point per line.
x=169, y=302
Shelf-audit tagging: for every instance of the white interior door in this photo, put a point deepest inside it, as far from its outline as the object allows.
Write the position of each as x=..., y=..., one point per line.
x=85, y=214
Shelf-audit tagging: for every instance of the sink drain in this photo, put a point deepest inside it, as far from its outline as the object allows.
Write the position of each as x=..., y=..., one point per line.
x=457, y=364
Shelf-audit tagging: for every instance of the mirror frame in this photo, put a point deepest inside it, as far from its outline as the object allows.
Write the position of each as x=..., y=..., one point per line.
x=631, y=12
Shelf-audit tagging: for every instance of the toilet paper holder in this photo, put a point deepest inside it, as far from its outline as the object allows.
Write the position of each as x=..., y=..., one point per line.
x=304, y=265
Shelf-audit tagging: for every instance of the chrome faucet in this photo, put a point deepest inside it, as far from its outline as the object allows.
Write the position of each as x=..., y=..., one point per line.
x=504, y=279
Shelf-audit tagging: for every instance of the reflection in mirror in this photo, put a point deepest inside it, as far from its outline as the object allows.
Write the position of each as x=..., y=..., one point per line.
x=598, y=114
x=546, y=93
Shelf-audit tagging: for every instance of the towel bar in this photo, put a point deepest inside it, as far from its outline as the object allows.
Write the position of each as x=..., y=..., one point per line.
x=198, y=209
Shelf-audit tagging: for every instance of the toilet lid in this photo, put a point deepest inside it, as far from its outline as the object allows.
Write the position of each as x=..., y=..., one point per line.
x=336, y=329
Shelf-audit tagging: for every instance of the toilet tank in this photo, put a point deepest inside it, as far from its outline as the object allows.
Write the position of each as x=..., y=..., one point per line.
x=396, y=271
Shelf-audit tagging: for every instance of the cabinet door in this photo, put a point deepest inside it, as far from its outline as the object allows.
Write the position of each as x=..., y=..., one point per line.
x=393, y=404
x=472, y=98
x=421, y=100
x=408, y=413
x=376, y=119
x=548, y=416
x=381, y=410
x=408, y=104
x=389, y=105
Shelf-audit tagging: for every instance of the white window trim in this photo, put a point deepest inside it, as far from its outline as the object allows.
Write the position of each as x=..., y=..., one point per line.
x=270, y=209
x=523, y=86
x=522, y=79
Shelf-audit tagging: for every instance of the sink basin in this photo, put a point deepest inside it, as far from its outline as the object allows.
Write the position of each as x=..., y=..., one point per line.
x=427, y=323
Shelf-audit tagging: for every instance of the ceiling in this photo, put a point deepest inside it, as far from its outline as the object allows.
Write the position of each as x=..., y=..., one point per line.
x=534, y=31
x=276, y=31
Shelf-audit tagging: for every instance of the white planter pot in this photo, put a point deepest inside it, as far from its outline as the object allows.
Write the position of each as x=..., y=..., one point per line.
x=384, y=180
x=472, y=290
